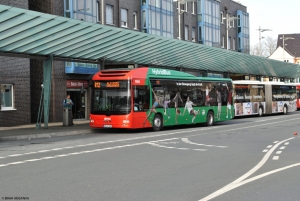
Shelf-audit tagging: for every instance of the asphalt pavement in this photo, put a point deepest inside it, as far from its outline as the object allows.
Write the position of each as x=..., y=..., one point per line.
x=32, y=131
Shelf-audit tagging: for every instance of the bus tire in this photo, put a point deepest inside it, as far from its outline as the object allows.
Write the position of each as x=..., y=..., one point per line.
x=260, y=112
x=285, y=110
x=210, y=119
x=157, y=122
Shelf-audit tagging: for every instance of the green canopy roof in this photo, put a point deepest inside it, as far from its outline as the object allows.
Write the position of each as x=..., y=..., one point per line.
x=24, y=32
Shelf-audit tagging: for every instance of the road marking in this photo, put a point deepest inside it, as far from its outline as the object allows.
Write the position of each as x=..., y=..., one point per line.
x=275, y=157
x=269, y=146
x=84, y=152
x=186, y=140
x=235, y=183
x=263, y=175
x=14, y=155
x=265, y=150
x=278, y=152
x=275, y=142
x=167, y=134
x=282, y=147
x=43, y=151
x=286, y=143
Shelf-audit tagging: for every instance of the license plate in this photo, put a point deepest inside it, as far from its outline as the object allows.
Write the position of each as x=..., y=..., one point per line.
x=107, y=126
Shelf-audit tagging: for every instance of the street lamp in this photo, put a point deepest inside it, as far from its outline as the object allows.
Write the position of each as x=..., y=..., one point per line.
x=228, y=20
x=179, y=13
x=284, y=38
x=261, y=30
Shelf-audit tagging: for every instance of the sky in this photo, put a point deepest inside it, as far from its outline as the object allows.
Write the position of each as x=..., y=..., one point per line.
x=281, y=16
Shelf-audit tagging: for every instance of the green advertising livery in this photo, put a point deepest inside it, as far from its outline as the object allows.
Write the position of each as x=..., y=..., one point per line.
x=151, y=97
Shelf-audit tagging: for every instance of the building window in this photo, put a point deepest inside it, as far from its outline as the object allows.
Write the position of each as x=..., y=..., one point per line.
x=67, y=8
x=223, y=42
x=193, y=7
x=233, y=43
x=6, y=97
x=233, y=21
x=135, y=20
x=98, y=12
x=186, y=32
x=193, y=34
x=123, y=17
x=222, y=16
x=185, y=7
x=229, y=42
x=109, y=14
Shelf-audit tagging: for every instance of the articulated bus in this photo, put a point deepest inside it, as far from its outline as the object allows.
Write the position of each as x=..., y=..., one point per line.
x=298, y=95
x=152, y=98
x=259, y=98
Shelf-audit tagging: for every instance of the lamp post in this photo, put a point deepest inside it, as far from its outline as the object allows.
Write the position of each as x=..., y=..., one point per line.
x=260, y=37
x=284, y=38
x=228, y=20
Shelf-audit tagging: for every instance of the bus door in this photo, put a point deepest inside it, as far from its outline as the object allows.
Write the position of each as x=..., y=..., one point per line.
x=141, y=98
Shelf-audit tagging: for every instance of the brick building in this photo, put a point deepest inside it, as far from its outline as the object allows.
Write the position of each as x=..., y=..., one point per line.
x=200, y=22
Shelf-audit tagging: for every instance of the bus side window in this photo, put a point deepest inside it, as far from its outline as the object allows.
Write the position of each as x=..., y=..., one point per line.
x=141, y=98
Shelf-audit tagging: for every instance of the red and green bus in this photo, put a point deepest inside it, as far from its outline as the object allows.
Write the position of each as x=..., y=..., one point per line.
x=151, y=97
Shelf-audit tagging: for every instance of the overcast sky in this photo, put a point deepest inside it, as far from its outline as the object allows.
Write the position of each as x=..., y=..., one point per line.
x=281, y=16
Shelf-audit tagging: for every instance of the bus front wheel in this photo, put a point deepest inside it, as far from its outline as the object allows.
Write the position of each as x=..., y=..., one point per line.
x=210, y=118
x=157, y=122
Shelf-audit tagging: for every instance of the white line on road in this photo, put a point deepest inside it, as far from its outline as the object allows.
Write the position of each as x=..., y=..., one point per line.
x=265, y=150
x=286, y=143
x=243, y=177
x=186, y=140
x=262, y=175
x=282, y=147
x=84, y=152
x=167, y=134
x=269, y=146
x=275, y=157
x=278, y=152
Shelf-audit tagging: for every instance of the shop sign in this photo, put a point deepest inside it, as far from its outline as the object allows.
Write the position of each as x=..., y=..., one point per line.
x=77, y=84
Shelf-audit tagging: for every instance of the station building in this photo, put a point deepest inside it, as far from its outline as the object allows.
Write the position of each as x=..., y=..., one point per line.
x=216, y=24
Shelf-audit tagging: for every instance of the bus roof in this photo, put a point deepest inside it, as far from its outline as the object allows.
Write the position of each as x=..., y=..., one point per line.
x=259, y=82
x=151, y=73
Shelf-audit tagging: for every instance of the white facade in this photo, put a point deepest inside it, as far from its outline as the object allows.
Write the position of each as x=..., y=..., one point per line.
x=281, y=54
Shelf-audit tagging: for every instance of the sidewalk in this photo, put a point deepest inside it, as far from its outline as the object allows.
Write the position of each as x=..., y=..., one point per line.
x=54, y=130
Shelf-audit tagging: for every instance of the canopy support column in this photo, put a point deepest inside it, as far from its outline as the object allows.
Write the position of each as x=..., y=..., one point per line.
x=47, y=65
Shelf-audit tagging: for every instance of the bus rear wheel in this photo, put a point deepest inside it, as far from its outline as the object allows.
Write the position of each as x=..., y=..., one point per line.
x=260, y=112
x=157, y=122
x=210, y=118
x=284, y=110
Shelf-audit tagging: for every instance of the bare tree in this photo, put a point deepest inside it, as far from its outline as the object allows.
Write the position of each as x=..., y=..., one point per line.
x=270, y=45
x=267, y=47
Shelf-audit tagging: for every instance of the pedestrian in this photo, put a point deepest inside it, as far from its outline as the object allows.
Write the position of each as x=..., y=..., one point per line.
x=68, y=103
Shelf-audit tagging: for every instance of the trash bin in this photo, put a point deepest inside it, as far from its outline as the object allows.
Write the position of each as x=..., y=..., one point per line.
x=67, y=117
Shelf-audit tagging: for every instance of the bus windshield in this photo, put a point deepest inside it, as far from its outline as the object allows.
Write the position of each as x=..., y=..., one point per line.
x=111, y=98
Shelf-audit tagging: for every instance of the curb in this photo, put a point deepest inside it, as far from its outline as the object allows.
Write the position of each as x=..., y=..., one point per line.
x=44, y=135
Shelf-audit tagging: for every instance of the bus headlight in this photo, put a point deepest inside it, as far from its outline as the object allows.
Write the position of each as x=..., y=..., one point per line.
x=92, y=120
x=125, y=121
